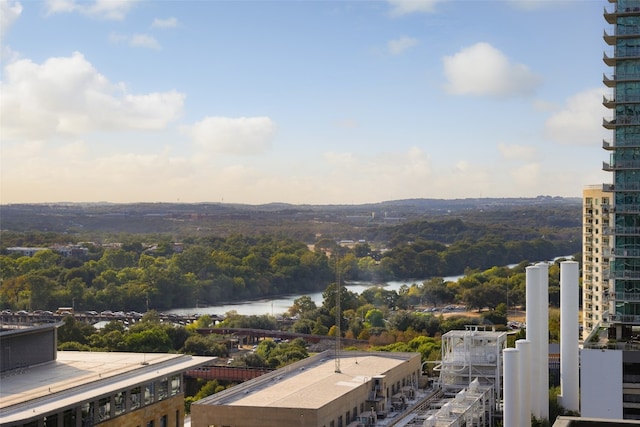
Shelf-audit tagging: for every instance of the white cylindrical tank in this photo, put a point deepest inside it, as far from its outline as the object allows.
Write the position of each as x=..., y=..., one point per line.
x=534, y=333
x=524, y=346
x=569, y=336
x=544, y=340
x=511, y=415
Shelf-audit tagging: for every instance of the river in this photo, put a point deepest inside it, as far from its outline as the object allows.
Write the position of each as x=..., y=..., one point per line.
x=279, y=305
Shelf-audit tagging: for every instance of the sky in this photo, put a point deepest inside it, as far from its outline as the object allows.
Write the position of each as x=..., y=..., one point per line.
x=302, y=102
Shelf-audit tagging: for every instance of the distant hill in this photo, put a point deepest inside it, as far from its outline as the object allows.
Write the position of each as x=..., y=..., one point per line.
x=299, y=221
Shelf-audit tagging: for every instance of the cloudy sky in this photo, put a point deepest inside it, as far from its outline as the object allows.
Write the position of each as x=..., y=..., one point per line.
x=305, y=102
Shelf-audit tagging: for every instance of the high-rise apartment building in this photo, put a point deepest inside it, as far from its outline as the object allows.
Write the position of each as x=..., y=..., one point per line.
x=595, y=257
x=623, y=272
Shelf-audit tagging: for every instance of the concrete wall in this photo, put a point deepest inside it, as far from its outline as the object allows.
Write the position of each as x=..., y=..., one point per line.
x=601, y=383
x=27, y=347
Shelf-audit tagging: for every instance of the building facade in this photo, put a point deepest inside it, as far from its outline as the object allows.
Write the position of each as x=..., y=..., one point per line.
x=595, y=257
x=310, y=393
x=624, y=163
x=42, y=387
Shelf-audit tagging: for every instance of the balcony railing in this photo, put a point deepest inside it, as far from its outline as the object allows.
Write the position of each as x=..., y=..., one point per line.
x=623, y=274
x=626, y=209
x=621, y=164
x=621, y=142
x=610, y=81
x=629, y=7
x=620, y=230
x=621, y=53
x=622, y=253
x=624, y=318
x=612, y=98
x=626, y=296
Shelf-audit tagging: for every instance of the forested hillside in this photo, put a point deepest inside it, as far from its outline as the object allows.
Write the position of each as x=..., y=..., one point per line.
x=271, y=255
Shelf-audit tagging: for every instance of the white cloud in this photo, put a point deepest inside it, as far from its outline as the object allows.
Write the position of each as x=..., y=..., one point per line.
x=240, y=136
x=9, y=13
x=105, y=9
x=517, y=152
x=528, y=5
x=165, y=23
x=406, y=7
x=136, y=40
x=580, y=121
x=144, y=40
x=482, y=69
x=398, y=46
x=66, y=95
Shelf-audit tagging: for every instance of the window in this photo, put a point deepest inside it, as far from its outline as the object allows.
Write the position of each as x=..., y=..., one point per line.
x=86, y=412
x=149, y=393
x=134, y=397
x=175, y=384
x=104, y=408
x=119, y=400
x=163, y=421
x=150, y=423
x=163, y=390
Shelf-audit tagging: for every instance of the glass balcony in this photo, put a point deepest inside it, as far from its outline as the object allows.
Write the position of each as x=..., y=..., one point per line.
x=620, y=231
x=631, y=142
x=626, y=253
x=627, y=296
x=624, y=318
x=620, y=165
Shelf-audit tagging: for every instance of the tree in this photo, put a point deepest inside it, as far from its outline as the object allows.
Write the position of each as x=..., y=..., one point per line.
x=375, y=318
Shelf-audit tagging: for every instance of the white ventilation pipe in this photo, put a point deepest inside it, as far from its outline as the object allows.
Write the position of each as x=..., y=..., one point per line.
x=534, y=333
x=569, y=332
x=511, y=415
x=524, y=378
x=544, y=340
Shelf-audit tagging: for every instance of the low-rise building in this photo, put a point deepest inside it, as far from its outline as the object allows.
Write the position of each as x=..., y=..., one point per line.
x=44, y=387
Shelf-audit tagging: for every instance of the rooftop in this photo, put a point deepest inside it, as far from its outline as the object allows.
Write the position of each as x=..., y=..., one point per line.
x=78, y=376
x=311, y=383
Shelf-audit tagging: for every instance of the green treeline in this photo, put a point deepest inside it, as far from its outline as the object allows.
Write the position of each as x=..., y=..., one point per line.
x=146, y=272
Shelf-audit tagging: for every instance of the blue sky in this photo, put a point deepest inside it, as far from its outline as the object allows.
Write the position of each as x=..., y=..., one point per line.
x=305, y=102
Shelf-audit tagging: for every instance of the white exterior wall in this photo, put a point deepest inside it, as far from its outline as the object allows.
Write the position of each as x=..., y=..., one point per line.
x=569, y=324
x=544, y=341
x=524, y=378
x=601, y=383
x=511, y=416
x=534, y=325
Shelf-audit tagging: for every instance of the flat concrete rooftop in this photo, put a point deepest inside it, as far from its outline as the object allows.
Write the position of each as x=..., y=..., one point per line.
x=78, y=376
x=311, y=383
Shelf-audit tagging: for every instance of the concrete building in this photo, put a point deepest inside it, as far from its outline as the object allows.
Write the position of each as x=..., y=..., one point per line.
x=595, y=256
x=311, y=393
x=44, y=387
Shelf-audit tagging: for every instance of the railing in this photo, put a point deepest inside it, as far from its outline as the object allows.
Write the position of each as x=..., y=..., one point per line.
x=623, y=274
x=623, y=142
x=620, y=31
x=624, y=318
x=629, y=8
x=625, y=252
x=622, y=52
x=621, y=164
x=621, y=120
x=622, y=98
x=619, y=230
x=626, y=209
x=620, y=78
x=625, y=296
x=627, y=186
